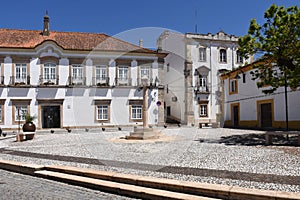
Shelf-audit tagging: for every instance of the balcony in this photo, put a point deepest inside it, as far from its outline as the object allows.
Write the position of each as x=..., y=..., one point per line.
x=19, y=81
x=140, y=82
x=100, y=81
x=49, y=80
x=123, y=81
x=201, y=89
x=77, y=81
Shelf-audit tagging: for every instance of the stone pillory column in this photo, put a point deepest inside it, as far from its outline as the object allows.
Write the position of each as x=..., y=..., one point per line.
x=189, y=110
x=145, y=132
x=145, y=101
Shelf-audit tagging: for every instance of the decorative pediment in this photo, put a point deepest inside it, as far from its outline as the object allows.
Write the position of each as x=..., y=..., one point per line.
x=49, y=49
x=203, y=70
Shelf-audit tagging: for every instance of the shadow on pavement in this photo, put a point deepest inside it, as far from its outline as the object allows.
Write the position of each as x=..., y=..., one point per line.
x=252, y=140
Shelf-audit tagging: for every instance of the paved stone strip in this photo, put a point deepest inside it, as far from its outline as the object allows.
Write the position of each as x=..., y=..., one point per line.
x=266, y=178
x=16, y=186
x=145, y=187
x=52, y=157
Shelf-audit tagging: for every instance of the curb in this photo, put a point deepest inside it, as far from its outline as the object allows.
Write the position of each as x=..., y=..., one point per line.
x=141, y=186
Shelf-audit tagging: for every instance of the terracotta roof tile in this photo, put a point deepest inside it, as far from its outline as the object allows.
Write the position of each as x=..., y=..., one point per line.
x=11, y=38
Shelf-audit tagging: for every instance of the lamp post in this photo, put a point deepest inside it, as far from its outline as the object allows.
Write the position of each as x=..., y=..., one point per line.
x=286, y=104
x=145, y=101
x=19, y=118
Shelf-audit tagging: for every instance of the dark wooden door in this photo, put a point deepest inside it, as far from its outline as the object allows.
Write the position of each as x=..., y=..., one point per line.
x=266, y=115
x=168, y=111
x=235, y=116
x=51, y=116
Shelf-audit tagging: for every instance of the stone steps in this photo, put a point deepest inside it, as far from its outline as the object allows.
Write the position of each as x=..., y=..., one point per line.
x=142, y=186
x=117, y=188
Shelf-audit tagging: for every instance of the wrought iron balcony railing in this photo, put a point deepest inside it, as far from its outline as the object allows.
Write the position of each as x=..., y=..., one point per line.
x=100, y=81
x=77, y=81
x=19, y=81
x=49, y=80
x=123, y=81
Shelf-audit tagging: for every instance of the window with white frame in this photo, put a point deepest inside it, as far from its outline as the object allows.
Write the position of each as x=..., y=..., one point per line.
x=20, y=112
x=202, y=54
x=102, y=112
x=21, y=73
x=77, y=72
x=223, y=56
x=50, y=72
x=145, y=71
x=203, y=110
x=101, y=73
x=123, y=73
x=136, y=112
x=202, y=83
x=239, y=58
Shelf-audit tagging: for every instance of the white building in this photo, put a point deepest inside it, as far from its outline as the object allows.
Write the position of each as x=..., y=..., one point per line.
x=246, y=106
x=193, y=91
x=72, y=79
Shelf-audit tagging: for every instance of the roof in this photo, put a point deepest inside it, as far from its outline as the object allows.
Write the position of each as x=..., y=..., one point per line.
x=244, y=68
x=12, y=38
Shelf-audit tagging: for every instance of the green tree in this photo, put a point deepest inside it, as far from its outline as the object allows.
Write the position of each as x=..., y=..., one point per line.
x=277, y=42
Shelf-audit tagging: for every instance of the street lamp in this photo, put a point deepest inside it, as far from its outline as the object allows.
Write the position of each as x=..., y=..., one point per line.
x=145, y=101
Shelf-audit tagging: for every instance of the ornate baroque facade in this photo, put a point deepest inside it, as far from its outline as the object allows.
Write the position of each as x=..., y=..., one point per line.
x=72, y=79
x=191, y=77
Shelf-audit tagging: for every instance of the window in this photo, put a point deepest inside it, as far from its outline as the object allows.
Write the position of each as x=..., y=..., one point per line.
x=202, y=54
x=239, y=58
x=203, y=110
x=77, y=72
x=145, y=71
x=101, y=73
x=136, y=112
x=21, y=73
x=50, y=72
x=223, y=56
x=123, y=74
x=77, y=75
x=202, y=83
x=233, y=86
x=20, y=112
x=102, y=112
x=1, y=114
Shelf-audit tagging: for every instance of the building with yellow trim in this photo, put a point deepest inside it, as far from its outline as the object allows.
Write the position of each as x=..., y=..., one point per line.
x=246, y=106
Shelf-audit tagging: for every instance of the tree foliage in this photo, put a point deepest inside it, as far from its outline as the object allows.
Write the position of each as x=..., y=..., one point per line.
x=276, y=41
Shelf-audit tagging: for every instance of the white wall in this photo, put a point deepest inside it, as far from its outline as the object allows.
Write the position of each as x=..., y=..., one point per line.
x=248, y=94
x=78, y=105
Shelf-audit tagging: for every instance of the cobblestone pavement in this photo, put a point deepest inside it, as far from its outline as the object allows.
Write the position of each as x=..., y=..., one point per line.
x=181, y=153
x=14, y=186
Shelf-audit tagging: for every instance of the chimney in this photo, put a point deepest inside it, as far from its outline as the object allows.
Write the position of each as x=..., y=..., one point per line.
x=141, y=43
x=46, y=31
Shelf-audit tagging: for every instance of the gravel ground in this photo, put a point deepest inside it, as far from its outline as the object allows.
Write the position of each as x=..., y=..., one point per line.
x=177, y=147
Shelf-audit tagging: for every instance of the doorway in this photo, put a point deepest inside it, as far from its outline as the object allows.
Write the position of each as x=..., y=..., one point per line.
x=168, y=111
x=235, y=110
x=50, y=116
x=266, y=115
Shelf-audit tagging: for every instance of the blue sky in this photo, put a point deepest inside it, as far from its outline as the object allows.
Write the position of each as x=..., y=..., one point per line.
x=127, y=19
